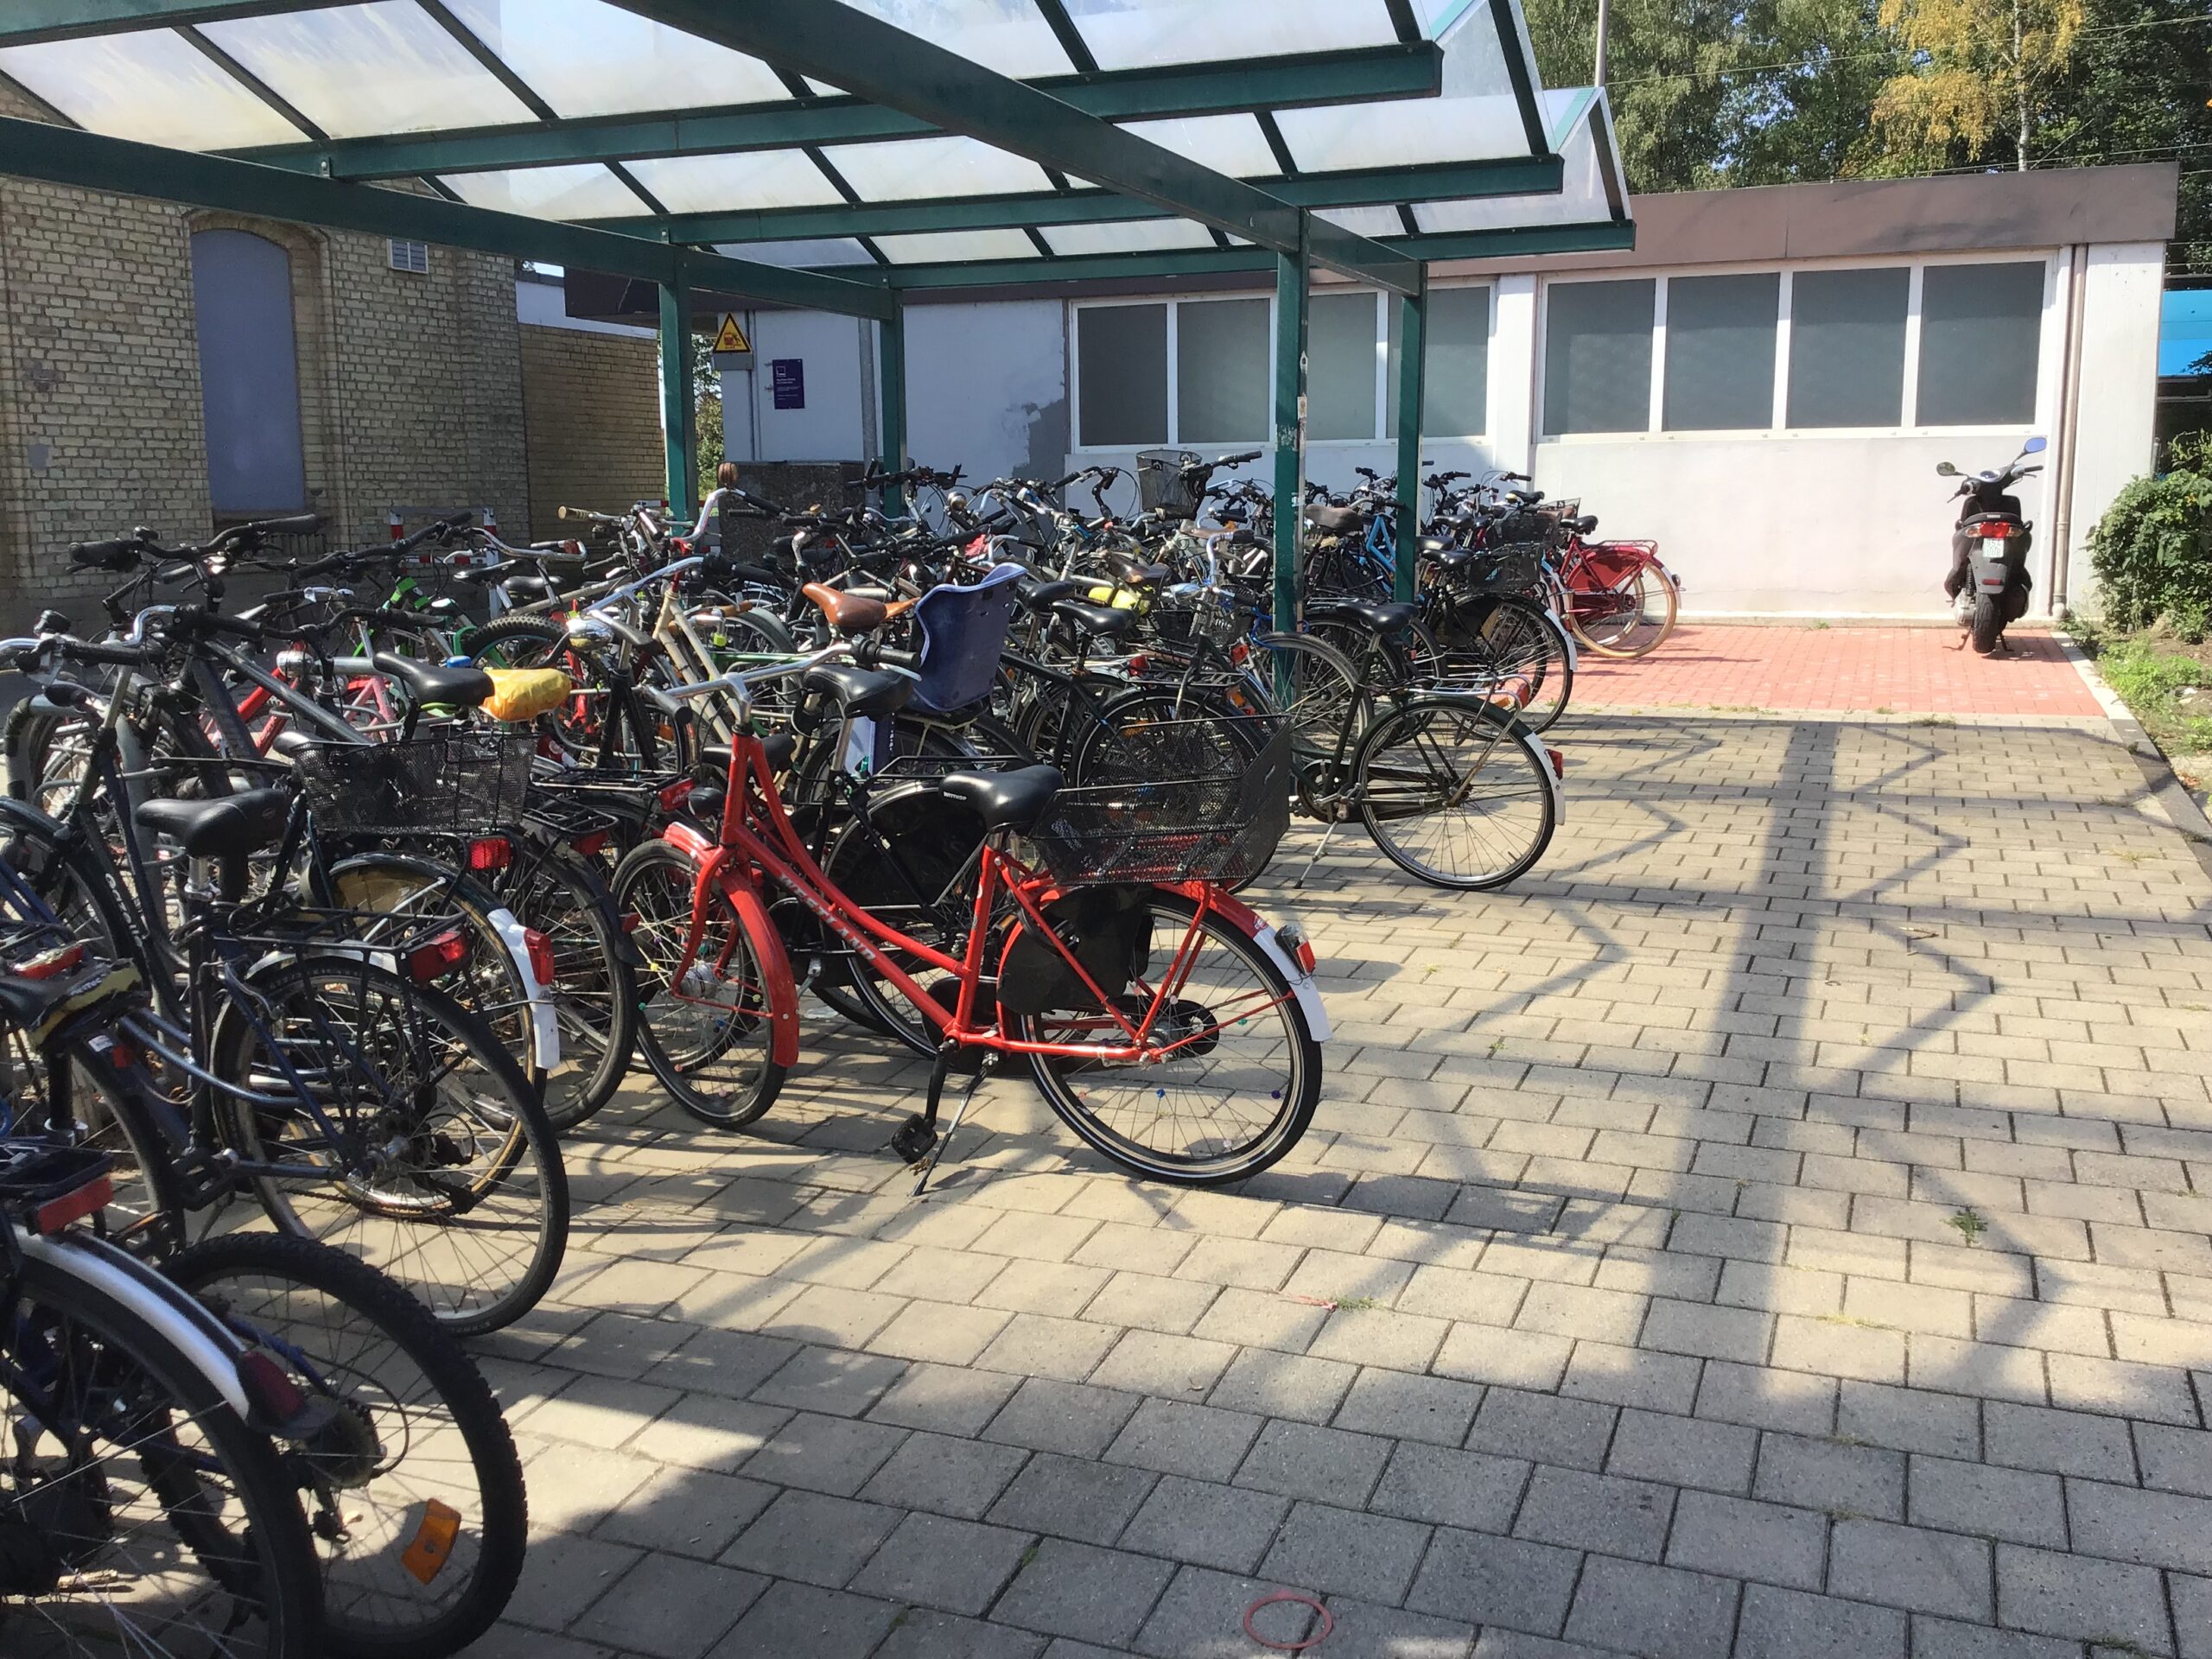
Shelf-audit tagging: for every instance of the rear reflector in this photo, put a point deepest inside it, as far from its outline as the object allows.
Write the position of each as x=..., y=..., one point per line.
x=49, y=964
x=437, y=956
x=58, y=1212
x=1559, y=762
x=541, y=955
x=275, y=1395
x=675, y=795
x=490, y=853
x=593, y=844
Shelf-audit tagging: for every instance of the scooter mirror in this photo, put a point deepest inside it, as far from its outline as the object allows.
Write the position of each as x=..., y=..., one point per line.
x=1944, y=469
x=2035, y=445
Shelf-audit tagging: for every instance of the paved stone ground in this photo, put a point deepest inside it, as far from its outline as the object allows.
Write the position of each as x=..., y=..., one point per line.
x=1901, y=670
x=1781, y=1230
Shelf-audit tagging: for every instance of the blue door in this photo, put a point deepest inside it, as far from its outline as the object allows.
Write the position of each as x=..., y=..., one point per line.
x=249, y=374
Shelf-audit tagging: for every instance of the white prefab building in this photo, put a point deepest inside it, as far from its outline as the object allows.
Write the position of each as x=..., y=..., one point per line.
x=1764, y=385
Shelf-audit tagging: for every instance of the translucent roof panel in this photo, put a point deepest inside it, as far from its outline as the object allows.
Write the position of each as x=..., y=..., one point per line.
x=1130, y=236
x=909, y=168
x=585, y=57
x=938, y=247
x=153, y=85
x=1228, y=143
x=1009, y=37
x=585, y=191
x=1474, y=118
x=821, y=250
x=1365, y=221
x=759, y=178
x=357, y=70
x=1139, y=33
x=1582, y=199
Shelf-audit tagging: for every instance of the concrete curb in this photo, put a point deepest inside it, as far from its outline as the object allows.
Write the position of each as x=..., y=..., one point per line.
x=2184, y=807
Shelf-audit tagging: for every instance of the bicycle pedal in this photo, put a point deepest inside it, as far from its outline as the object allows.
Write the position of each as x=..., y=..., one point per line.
x=914, y=1139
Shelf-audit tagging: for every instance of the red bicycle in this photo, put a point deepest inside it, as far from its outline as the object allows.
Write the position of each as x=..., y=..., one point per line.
x=1164, y=1021
x=1617, y=595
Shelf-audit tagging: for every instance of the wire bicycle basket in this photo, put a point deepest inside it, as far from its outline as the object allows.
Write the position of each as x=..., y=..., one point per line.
x=1179, y=804
x=1164, y=484
x=459, y=783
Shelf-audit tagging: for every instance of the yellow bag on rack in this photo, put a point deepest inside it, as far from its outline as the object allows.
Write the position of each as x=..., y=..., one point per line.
x=527, y=693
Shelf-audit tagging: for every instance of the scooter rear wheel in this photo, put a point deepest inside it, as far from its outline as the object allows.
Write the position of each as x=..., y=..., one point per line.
x=1986, y=626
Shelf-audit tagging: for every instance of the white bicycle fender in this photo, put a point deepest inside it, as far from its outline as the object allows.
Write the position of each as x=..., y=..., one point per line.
x=211, y=1349
x=544, y=1025
x=1301, y=983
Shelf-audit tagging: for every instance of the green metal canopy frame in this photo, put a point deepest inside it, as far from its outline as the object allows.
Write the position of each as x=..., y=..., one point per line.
x=1548, y=181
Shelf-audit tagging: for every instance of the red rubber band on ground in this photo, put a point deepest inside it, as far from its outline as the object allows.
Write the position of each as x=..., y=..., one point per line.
x=1328, y=1621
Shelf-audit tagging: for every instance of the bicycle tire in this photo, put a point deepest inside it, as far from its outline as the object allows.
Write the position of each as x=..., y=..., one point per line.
x=594, y=987
x=656, y=881
x=1522, y=638
x=524, y=1158
x=272, y=1565
x=494, y=1525
x=1645, y=576
x=1390, y=792
x=519, y=641
x=1290, y=1103
x=380, y=883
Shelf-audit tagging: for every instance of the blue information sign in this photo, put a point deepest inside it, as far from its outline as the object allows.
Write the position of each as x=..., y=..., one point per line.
x=787, y=375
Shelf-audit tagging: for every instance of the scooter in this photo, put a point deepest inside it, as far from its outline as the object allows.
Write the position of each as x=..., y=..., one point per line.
x=1989, y=583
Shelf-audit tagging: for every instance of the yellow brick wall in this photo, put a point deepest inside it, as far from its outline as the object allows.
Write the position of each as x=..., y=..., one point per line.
x=591, y=414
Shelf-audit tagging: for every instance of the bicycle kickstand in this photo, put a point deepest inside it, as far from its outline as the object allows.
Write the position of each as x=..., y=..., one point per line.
x=919, y=1139
x=1327, y=830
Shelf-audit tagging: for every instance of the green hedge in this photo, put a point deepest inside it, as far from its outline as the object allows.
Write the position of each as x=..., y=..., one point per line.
x=2152, y=550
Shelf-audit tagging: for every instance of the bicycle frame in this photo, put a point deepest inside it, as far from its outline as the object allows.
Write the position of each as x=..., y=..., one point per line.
x=757, y=841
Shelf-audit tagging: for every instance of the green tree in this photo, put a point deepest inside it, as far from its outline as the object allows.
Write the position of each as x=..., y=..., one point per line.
x=1978, y=72
x=707, y=435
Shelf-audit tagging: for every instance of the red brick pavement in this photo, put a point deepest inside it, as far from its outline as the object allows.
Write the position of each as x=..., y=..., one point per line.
x=1904, y=670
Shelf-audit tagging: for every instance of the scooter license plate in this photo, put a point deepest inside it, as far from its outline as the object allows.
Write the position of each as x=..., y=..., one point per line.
x=1993, y=547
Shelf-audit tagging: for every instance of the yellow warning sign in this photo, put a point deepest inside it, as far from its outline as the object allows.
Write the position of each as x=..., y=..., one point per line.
x=730, y=337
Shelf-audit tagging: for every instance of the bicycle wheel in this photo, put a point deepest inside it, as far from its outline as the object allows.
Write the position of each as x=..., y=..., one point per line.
x=393, y=894
x=1153, y=732
x=911, y=863
x=1314, y=686
x=1631, y=618
x=1456, y=791
x=1525, y=643
x=594, y=989
x=420, y=1516
x=1234, y=1075
x=541, y=642
x=432, y=1159
x=139, y=1514
x=712, y=1048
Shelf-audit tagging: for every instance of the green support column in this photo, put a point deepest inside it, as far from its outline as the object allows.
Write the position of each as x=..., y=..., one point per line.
x=1289, y=429
x=1411, y=351
x=679, y=407
x=891, y=413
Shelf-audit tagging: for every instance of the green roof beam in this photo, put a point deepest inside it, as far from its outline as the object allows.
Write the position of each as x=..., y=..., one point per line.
x=872, y=59
x=1209, y=262
x=36, y=149
x=1368, y=75
x=1514, y=176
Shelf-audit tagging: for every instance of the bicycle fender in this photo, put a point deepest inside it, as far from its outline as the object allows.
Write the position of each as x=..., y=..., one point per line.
x=544, y=1023
x=211, y=1349
x=1262, y=933
x=744, y=896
